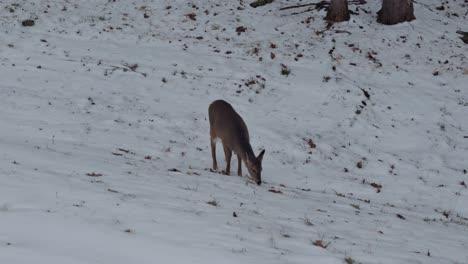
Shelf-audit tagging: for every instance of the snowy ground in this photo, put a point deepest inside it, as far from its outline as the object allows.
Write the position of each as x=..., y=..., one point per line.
x=121, y=89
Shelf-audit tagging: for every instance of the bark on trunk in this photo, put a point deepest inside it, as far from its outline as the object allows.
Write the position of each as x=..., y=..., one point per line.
x=338, y=11
x=395, y=11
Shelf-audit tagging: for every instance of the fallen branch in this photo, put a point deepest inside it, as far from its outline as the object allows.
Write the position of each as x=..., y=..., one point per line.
x=322, y=4
x=328, y=28
x=125, y=68
x=260, y=3
x=464, y=37
x=341, y=31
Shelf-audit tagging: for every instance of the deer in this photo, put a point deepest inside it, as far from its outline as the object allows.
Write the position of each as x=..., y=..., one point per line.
x=227, y=125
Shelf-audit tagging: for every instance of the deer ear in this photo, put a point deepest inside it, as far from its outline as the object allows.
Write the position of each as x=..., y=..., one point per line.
x=260, y=156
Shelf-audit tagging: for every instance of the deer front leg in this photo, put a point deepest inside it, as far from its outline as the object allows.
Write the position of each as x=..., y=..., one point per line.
x=213, y=153
x=228, y=154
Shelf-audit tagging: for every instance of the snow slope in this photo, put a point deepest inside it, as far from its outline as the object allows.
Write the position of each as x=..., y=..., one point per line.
x=121, y=89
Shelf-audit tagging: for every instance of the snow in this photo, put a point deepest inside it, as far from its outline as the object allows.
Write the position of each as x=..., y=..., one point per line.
x=71, y=106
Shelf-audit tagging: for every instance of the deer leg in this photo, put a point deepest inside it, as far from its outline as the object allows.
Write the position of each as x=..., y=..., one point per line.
x=213, y=153
x=239, y=165
x=228, y=154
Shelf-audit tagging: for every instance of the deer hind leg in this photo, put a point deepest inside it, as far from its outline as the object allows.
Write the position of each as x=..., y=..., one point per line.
x=228, y=154
x=213, y=150
x=239, y=165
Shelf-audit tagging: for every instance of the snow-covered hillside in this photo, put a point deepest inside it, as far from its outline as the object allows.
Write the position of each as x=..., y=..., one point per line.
x=104, y=134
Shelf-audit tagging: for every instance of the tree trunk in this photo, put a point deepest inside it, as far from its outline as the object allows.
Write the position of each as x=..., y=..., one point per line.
x=395, y=11
x=338, y=11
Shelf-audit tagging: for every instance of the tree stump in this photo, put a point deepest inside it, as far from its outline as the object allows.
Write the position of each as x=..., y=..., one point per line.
x=395, y=11
x=338, y=11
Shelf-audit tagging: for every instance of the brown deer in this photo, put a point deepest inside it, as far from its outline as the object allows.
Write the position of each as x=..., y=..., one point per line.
x=227, y=124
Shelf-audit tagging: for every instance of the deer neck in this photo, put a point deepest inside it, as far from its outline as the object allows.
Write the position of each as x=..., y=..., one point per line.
x=246, y=152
